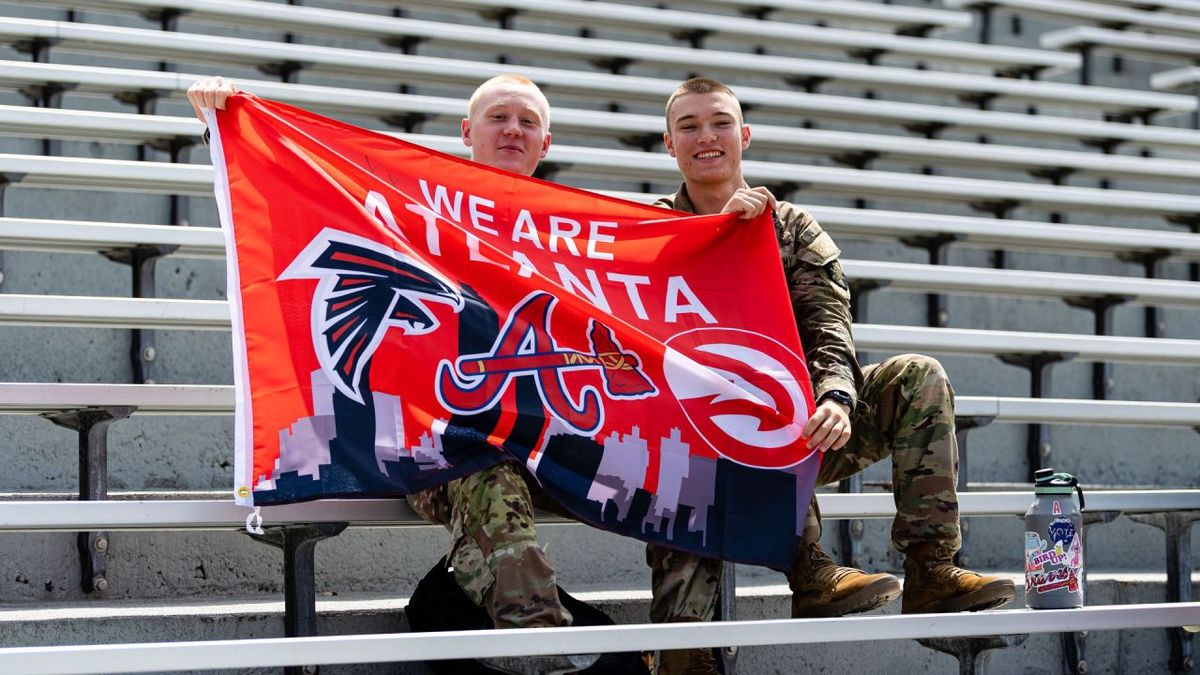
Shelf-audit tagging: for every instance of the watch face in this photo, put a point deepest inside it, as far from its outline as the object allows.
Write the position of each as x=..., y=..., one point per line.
x=839, y=396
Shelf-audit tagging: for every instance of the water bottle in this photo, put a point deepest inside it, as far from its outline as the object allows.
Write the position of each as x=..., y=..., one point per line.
x=1054, y=543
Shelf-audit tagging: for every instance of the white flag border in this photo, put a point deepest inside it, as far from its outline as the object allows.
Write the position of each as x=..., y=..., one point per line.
x=243, y=414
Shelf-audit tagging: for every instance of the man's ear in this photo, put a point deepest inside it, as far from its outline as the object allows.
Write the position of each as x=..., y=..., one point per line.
x=667, y=142
x=745, y=136
x=545, y=146
x=466, y=132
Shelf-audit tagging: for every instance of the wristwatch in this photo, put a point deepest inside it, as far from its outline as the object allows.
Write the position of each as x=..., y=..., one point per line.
x=839, y=396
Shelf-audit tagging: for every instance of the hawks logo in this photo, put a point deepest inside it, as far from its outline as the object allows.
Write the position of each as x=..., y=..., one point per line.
x=366, y=288
x=526, y=347
x=738, y=391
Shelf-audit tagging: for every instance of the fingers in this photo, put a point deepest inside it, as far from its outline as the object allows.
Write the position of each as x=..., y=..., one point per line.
x=210, y=92
x=750, y=202
x=829, y=428
x=766, y=193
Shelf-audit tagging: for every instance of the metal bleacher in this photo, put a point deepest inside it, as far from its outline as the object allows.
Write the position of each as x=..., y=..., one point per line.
x=995, y=209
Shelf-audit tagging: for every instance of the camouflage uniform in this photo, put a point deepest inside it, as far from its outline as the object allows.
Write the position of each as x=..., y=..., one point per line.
x=904, y=408
x=493, y=550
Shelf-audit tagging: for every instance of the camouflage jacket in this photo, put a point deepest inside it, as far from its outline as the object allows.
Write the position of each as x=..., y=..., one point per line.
x=820, y=295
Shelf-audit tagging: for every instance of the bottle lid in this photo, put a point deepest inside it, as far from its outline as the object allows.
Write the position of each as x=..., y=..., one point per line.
x=1048, y=482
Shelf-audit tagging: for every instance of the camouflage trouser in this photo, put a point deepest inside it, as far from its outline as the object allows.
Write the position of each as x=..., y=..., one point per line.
x=493, y=549
x=906, y=410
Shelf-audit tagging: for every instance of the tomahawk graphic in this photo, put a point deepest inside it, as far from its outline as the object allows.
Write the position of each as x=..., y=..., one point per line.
x=619, y=370
x=525, y=347
x=365, y=289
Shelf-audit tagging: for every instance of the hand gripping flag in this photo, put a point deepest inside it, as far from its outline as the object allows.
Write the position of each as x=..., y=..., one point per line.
x=403, y=318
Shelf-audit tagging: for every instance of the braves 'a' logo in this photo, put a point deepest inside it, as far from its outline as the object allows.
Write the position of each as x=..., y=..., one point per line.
x=738, y=390
x=365, y=289
x=525, y=346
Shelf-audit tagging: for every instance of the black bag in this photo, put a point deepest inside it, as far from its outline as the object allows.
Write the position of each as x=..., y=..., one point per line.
x=438, y=604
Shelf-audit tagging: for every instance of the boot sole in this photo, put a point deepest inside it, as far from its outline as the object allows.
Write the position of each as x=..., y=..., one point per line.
x=870, y=597
x=541, y=665
x=991, y=595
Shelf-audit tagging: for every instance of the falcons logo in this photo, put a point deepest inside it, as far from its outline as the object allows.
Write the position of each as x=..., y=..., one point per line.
x=365, y=289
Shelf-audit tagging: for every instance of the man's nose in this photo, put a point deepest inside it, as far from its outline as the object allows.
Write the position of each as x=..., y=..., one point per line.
x=513, y=128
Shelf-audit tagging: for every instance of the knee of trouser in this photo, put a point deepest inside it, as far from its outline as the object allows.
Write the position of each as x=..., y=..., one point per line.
x=927, y=370
x=924, y=364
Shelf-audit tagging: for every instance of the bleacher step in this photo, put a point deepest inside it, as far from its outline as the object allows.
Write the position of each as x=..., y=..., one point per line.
x=44, y=567
x=353, y=613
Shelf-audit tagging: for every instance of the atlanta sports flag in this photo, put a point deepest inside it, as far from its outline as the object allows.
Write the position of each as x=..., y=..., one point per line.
x=402, y=317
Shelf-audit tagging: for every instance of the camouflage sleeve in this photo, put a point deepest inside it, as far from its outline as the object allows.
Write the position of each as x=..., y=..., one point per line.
x=821, y=303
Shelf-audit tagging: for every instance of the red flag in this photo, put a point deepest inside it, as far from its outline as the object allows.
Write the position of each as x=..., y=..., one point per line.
x=403, y=317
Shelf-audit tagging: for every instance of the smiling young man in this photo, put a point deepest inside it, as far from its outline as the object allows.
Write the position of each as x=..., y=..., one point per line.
x=903, y=408
x=494, y=554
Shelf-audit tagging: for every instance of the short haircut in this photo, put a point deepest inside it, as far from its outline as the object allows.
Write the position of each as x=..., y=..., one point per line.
x=515, y=80
x=698, y=85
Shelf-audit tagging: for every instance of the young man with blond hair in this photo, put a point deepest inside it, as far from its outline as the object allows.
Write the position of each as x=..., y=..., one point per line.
x=903, y=408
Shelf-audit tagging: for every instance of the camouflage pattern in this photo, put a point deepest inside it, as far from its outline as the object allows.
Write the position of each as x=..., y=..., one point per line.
x=904, y=408
x=494, y=552
x=907, y=412
x=686, y=586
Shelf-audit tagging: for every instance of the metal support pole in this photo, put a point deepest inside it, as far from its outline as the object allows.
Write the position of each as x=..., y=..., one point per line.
x=972, y=653
x=1038, y=444
x=178, y=149
x=168, y=22
x=287, y=71
x=92, y=427
x=860, y=290
x=6, y=180
x=1101, y=308
x=141, y=260
x=502, y=17
x=1000, y=209
x=299, y=543
x=1177, y=525
x=1192, y=222
x=937, y=314
x=809, y=83
x=49, y=95
x=1196, y=112
x=728, y=612
x=985, y=23
x=1075, y=644
x=858, y=159
x=1150, y=261
x=1056, y=175
x=410, y=122
x=850, y=532
x=964, y=424
x=1194, y=266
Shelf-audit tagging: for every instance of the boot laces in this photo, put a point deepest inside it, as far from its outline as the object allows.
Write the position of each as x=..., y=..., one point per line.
x=823, y=570
x=952, y=573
